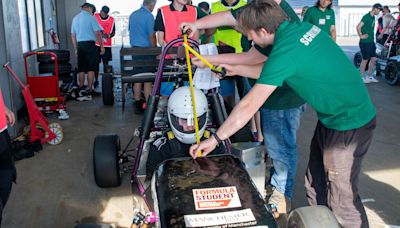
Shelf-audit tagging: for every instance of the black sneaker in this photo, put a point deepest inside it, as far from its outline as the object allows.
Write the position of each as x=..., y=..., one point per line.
x=139, y=107
x=94, y=93
x=96, y=84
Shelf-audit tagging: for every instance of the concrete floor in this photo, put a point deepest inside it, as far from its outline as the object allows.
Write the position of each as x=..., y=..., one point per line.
x=56, y=187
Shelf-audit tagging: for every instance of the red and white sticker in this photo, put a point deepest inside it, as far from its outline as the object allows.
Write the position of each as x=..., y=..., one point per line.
x=216, y=198
x=241, y=218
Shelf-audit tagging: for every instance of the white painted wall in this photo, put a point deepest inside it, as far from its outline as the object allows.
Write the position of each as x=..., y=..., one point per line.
x=348, y=16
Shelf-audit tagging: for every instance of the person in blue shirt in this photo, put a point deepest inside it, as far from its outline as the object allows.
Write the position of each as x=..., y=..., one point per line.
x=141, y=34
x=85, y=31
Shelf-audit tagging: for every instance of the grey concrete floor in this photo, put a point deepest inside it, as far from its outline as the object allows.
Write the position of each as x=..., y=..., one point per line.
x=56, y=187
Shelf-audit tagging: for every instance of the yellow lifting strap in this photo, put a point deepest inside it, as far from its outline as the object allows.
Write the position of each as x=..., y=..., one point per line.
x=189, y=66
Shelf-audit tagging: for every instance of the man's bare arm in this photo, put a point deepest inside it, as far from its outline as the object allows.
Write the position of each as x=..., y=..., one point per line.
x=161, y=38
x=252, y=57
x=74, y=42
x=240, y=115
x=248, y=71
x=211, y=21
x=333, y=32
x=153, y=41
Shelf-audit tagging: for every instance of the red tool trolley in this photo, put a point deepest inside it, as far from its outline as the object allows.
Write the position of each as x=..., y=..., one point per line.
x=40, y=128
x=45, y=89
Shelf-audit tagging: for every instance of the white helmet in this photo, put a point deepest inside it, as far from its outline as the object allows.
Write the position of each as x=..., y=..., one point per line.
x=180, y=114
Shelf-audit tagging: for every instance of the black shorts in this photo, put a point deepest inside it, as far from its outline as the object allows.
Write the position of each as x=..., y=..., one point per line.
x=107, y=57
x=88, y=56
x=368, y=50
x=145, y=69
x=7, y=169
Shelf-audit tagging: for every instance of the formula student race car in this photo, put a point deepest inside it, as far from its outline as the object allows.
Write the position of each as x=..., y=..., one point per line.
x=216, y=191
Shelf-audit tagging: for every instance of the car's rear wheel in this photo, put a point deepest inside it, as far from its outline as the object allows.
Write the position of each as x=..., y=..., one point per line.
x=107, y=85
x=106, y=161
x=392, y=73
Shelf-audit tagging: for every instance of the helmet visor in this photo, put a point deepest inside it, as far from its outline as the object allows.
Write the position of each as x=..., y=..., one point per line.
x=186, y=125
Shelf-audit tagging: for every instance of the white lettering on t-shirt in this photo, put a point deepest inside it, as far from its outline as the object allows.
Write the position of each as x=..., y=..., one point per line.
x=310, y=35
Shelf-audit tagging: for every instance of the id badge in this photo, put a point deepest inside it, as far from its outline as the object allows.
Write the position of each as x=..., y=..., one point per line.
x=322, y=21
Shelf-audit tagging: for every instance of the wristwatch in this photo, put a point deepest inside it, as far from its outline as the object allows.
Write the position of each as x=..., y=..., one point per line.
x=219, y=141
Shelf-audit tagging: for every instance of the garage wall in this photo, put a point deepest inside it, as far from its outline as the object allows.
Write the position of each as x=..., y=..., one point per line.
x=12, y=48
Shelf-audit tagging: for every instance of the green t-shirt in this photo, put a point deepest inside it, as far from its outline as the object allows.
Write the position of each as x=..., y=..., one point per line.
x=323, y=19
x=368, y=28
x=323, y=76
x=283, y=97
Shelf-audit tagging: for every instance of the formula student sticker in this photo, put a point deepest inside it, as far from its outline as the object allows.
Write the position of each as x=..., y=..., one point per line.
x=216, y=198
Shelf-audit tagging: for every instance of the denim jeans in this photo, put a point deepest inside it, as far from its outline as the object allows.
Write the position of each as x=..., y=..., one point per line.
x=279, y=129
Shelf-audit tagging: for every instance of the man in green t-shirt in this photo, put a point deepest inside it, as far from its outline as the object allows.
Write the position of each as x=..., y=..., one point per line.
x=366, y=31
x=280, y=114
x=335, y=91
x=322, y=16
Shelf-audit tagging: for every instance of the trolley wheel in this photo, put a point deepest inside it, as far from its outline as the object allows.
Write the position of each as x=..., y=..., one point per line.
x=107, y=89
x=62, y=56
x=55, y=125
x=57, y=130
x=105, y=161
x=392, y=73
x=312, y=217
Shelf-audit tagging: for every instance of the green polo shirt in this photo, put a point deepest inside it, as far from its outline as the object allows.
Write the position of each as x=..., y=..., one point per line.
x=323, y=76
x=323, y=19
x=368, y=28
x=283, y=97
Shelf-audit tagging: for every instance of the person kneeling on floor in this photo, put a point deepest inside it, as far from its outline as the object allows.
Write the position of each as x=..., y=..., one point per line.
x=175, y=143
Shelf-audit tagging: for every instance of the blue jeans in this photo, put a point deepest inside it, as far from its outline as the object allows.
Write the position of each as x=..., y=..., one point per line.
x=279, y=129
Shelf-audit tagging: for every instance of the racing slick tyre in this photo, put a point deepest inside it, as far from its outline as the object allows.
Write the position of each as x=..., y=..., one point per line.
x=107, y=89
x=105, y=161
x=357, y=59
x=63, y=68
x=62, y=56
x=312, y=217
x=392, y=73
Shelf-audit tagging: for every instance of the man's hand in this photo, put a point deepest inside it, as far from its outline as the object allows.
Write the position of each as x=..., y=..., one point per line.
x=364, y=36
x=206, y=147
x=106, y=36
x=102, y=50
x=10, y=116
x=197, y=62
x=189, y=28
x=229, y=69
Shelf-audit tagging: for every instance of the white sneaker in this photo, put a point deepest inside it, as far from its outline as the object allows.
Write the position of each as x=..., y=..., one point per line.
x=372, y=79
x=63, y=115
x=85, y=98
x=366, y=80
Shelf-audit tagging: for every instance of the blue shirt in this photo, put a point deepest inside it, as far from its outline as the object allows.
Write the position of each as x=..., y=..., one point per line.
x=84, y=26
x=141, y=26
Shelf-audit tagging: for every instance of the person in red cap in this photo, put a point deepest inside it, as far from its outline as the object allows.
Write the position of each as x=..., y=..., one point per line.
x=7, y=167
